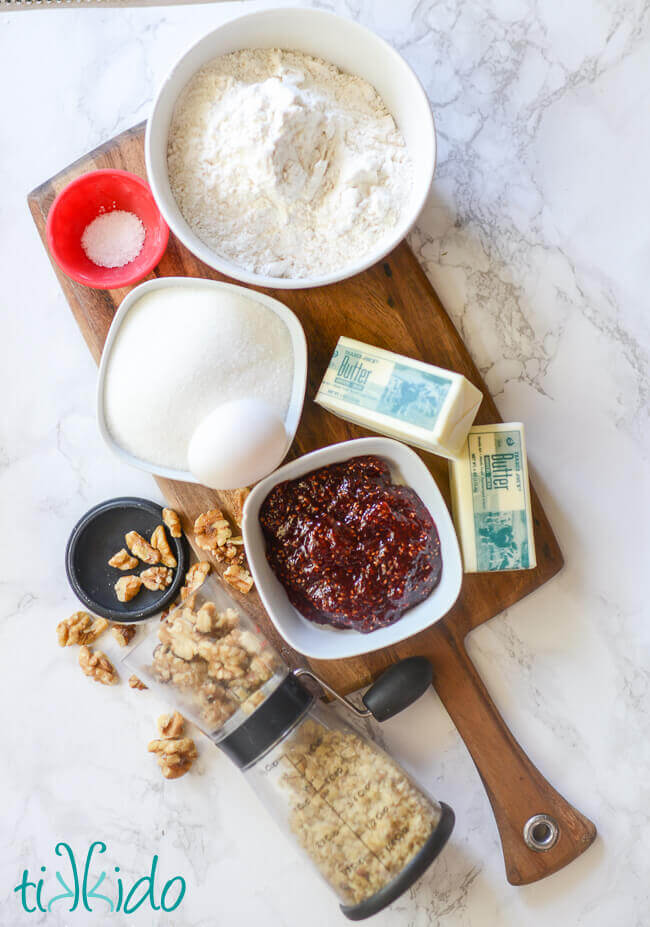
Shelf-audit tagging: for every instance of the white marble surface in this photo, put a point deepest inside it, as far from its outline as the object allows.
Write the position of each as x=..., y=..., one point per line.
x=537, y=239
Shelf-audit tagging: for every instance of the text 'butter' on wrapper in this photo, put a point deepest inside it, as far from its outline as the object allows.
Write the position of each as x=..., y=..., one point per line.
x=400, y=397
x=490, y=496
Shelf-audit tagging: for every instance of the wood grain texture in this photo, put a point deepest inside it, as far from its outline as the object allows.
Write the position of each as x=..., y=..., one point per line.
x=394, y=306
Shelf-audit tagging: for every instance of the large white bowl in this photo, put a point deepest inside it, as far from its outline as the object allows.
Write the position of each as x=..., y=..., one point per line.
x=326, y=643
x=298, y=343
x=340, y=41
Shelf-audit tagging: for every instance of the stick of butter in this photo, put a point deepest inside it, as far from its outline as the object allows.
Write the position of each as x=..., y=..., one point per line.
x=400, y=397
x=490, y=497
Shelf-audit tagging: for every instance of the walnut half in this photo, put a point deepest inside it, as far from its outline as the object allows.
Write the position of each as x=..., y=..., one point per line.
x=141, y=548
x=194, y=577
x=170, y=726
x=238, y=577
x=156, y=578
x=123, y=633
x=123, y=560
x=127, y=587
x=211, y=530
x=80, y=628
x=160, y=542
x=175, y=757
x=97, y=665
x=173, y=522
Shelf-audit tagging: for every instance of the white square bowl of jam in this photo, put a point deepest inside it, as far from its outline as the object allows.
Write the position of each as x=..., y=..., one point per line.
x=352, y=548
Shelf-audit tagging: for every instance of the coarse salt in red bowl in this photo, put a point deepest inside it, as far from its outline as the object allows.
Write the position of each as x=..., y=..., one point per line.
x=88, y=197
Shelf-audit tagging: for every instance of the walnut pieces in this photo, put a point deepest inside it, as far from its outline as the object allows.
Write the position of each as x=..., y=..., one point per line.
x=184, y=675
x=206, y=654
x=178, y=635
x=170, y=726
x=80, y=628
x=175, y=757
x=231, y=552
x=175, y=753
x=208, y=620
x=213, y=533
x=238, y=500
x=173, y=522
x=160, y=542
x=123, y=633
x=123, y=560
x=253, y=702
x=97, y=665
x=354, y=811
x=211, y=530
x=127, y=587
x=136, y=683
x=156, y=578
x=141, y=548
x=204, y=619
x=194, y=577
x=239, y=577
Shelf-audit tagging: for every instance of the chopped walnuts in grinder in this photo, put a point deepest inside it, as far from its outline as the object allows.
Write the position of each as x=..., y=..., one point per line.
x=354, y=811
x=220, y=667
x=97, y=665
x=175, y=753
x=80, y=628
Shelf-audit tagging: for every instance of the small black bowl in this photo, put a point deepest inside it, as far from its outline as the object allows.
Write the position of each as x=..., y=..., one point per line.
x=99, y=535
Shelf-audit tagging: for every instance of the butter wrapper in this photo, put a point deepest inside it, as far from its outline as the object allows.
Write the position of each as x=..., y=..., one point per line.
x=490, y=496
x=429, y=407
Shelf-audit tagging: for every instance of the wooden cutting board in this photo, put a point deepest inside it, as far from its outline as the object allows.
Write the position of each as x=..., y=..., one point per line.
x=394, y=306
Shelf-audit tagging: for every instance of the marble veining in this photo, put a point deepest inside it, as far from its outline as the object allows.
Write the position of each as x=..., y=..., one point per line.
x=537, y=240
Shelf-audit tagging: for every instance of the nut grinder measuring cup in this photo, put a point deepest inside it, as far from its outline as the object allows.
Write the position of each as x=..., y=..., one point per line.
x=365, y=825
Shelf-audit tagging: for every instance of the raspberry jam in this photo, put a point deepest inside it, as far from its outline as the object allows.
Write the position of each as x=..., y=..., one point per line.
x=352, y=548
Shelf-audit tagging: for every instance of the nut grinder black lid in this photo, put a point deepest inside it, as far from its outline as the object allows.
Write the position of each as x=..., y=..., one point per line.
x=265, y=727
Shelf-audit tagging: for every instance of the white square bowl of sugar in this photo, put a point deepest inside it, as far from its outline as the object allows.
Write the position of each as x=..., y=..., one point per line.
x=163, y=371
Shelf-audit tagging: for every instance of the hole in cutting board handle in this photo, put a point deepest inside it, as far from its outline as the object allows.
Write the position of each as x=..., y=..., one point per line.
x=541, y=832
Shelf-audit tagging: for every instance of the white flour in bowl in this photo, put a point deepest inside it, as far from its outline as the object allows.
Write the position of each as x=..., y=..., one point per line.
x=284, y=164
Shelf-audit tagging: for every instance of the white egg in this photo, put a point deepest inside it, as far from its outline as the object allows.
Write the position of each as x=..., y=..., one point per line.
x=237, y=444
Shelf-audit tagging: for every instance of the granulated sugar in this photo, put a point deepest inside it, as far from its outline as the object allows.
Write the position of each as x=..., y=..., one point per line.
x=181, y=352
x=113, y=239
x=286, y=165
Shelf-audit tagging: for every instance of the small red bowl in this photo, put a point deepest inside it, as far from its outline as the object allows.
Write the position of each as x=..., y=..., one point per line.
x=81, y=202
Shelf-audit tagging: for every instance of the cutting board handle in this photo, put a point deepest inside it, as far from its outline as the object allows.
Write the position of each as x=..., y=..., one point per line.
x=540, y=831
